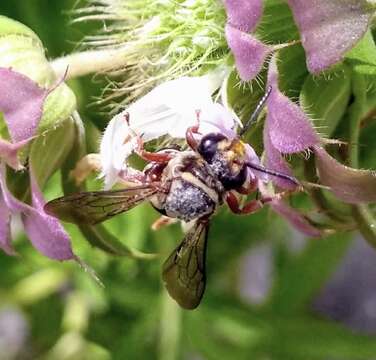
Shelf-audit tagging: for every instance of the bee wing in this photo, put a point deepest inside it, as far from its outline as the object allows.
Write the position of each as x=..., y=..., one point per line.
x=97, y=206
x=184, y=270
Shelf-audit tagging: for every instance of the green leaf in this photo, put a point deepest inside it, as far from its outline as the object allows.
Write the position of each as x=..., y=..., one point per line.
x=101, y=238
x=363, y=56
x=292, y=70
x=326, y=99
x=245, y=333
x=277, y=24
x=299, y=277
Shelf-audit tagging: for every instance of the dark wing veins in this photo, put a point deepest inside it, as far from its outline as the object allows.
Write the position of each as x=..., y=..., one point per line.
x=184, y=270
x=97, y=206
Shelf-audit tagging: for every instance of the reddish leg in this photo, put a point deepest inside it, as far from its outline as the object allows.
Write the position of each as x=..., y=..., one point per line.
x=279, y=196
x=249, y=189
x=155, y=157
x=160, y=157
x=191, y=131
x=248, y=208
x=146, y=155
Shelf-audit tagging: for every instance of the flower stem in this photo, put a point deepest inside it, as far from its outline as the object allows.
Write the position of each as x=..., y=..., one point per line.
x=88, y=62
x=362, y=214
x=170, y=313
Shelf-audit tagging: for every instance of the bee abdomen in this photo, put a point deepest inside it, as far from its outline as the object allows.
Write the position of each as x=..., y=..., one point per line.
x=187, y=202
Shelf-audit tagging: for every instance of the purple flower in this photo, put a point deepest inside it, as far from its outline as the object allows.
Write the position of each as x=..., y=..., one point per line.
x=348, y=184
x=249, y=52
x=243, y=14
x=298, y=220
x=21, y=102
x=328, y=29
x=44, y=231
x=288, y=130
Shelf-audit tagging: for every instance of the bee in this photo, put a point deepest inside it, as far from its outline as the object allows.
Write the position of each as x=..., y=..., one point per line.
x=188, y=185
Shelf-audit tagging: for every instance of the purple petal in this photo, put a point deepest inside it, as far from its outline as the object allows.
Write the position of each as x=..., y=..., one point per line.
x=249, y=53
x=329, y=28
x=8, y=152
x=348, y=184
x=290, y=130
x=21, y=102
x=295, y=218
x=243, y=14
x=44, y=231
x=275, y=161
x=5, y=240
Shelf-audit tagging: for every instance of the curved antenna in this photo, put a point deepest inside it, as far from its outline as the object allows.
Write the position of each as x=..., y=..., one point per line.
x=273, y=173
x=256, y=112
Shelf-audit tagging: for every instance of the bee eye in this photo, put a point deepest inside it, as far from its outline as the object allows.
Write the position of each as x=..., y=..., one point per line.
x=209, y=144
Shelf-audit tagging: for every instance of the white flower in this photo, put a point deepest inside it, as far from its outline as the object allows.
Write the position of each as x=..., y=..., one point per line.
x=169, y=109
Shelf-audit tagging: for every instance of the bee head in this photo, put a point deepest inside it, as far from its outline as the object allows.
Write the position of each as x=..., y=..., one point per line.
x=216, y=144
x=226, y=158
x=210, y=144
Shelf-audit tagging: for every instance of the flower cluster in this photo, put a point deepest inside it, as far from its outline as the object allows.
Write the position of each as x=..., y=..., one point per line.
x=328, y=30
x=224, y=42
x=22, y=103
x=287, y=129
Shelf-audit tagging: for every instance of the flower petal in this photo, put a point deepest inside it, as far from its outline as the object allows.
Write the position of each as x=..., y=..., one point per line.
x=21, y=102
x=5, y=239
x=295, y=218
x=329, y=28
x=243, y=14
x=44, y=231
x=216, y=118
x=169, y=109
x=348, y=184
x=290, y=129
x=275, y=161
x=8, y=152
x=118, y=142
x=249, y=52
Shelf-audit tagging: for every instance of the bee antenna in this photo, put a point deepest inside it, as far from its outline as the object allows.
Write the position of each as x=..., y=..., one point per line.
x=256, y=112
x=273, y=173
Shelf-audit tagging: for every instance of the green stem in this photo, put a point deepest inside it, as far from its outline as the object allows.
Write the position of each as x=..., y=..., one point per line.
x=171, y=316
x=88, y=62
x=361, y=213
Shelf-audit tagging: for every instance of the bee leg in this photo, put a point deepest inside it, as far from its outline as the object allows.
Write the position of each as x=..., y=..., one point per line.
x=191, y=131
x=248, y=208
x=163, y=221
x=146, y=155
x=88, y=164
x=249, y=188
x=160, y=157
x=278, y=196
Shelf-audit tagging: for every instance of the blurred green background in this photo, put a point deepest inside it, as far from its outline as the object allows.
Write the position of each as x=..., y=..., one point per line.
x=271, y=294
